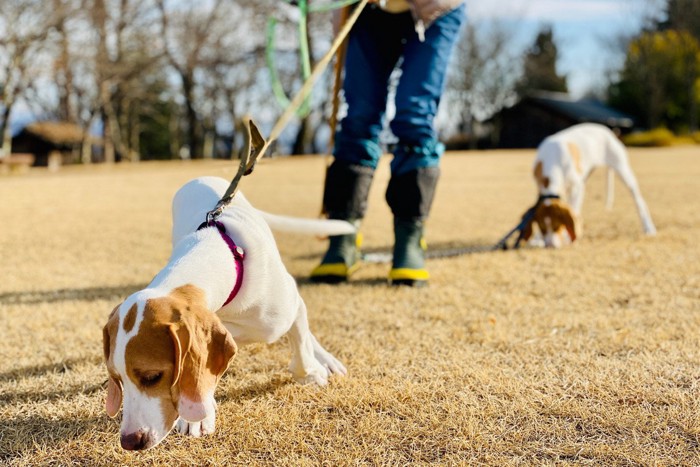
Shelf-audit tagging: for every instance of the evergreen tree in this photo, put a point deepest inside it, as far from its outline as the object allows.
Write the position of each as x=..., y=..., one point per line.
x=540, y=66
x=682, y=15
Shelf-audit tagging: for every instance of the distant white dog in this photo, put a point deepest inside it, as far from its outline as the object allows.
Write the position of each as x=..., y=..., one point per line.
x=166, y=346
x=563, y=163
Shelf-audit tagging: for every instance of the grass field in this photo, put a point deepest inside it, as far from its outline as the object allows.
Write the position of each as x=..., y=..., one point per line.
x=584, y=356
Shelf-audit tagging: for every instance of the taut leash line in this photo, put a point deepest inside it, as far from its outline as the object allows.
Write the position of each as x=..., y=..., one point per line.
x=255, y=144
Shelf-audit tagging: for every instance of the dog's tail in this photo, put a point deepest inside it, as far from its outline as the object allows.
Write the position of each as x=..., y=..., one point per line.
x=319, y=227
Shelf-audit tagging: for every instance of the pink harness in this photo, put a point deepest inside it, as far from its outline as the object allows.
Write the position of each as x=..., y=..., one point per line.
x=238, y=256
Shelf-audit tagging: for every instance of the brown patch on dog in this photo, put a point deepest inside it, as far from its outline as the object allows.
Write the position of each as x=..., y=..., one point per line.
x=212, y=350
x=542, y=181
x=556, y=215
x=130, y=319
x=575, y=153
x=114, y=385
x=180, y=348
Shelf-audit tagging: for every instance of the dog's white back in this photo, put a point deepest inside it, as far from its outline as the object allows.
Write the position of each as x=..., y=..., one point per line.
x=563, y=163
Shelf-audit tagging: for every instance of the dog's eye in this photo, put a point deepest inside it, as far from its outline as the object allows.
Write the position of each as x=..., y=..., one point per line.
x=151, y=379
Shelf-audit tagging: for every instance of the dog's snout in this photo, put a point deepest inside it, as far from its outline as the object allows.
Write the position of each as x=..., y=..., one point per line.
x=136, y=441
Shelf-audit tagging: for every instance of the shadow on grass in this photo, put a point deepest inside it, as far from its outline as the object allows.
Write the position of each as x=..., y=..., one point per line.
x=50, y=395
x=24, y=434
x=254, y=390
x=383, y=255
x=435, y=251
x=61, y=295
x=304, y=281
x=46, y=392
x=41, y=370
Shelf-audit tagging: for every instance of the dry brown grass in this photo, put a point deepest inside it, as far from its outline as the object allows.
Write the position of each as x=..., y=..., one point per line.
x=587, y=355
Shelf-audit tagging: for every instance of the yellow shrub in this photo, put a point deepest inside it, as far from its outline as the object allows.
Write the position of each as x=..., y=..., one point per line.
x=652, y=138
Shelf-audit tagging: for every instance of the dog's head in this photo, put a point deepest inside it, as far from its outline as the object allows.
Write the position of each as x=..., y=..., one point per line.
x=555, y=220
x=164, y=356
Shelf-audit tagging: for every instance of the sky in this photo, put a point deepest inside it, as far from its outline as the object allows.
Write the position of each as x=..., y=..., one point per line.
x=583, y=30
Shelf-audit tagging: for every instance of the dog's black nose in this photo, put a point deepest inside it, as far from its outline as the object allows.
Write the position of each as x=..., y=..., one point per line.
x=135, y=441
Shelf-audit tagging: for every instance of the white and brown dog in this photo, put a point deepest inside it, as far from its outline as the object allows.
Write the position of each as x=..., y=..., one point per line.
x=563, y=163
x=166, y=346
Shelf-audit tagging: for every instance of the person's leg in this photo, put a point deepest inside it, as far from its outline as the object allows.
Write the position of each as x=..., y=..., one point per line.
x=415, y=167
x=373, y=50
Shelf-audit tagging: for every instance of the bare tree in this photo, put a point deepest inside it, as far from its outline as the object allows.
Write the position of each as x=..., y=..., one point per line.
x=124, y=58
x=483, y=74
x=203, y=39
x=25, y=30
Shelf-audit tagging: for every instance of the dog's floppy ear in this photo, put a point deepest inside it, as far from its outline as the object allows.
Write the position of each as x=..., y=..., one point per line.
x=203, y=350
x=527, y=229
x=569, y=223
x=565, y=217
x=114, y=387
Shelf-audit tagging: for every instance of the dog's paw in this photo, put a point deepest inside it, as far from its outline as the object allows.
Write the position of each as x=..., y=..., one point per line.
x=331, y=363
x=196, y=429
x=319, y=378
x=328, y=361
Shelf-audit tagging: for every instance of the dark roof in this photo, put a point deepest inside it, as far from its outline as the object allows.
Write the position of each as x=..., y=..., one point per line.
x=57, y=133
x=583, y=110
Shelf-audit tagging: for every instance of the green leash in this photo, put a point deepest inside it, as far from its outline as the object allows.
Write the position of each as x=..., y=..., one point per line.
x=304, y=54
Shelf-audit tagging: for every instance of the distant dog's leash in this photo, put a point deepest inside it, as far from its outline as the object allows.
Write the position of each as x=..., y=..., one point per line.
x=528, y=217
x=524, y=222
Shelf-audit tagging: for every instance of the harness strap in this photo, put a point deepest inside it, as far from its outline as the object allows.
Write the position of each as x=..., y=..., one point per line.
x=238, y=256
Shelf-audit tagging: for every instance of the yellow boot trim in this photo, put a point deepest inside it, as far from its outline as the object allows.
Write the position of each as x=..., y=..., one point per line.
x=409, y=274
x=334, y=269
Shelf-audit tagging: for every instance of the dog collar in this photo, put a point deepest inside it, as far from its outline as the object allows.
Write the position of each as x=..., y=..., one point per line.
x=238, y=256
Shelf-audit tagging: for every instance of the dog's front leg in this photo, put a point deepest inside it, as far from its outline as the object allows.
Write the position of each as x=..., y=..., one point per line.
x=197, y=429
x=305, y=368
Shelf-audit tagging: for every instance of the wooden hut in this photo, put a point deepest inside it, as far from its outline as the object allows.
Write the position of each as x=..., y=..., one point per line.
x=533, y=118
x=52, y=143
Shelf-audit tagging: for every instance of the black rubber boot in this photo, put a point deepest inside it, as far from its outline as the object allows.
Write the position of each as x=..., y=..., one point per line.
x=410, y=197
x=344, y=197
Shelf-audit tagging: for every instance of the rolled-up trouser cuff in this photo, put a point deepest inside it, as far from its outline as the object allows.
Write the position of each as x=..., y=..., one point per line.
x=413, y=156
x=359, y=151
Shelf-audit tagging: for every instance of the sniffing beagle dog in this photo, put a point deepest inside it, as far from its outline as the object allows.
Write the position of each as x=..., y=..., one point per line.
x=562, y=165
x=166, y=346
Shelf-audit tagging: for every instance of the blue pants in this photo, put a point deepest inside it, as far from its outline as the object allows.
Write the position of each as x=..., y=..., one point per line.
x=377, y=42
